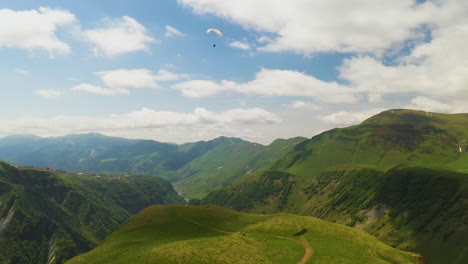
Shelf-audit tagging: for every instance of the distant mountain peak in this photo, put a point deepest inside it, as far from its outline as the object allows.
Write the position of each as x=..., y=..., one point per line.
x=22, y=136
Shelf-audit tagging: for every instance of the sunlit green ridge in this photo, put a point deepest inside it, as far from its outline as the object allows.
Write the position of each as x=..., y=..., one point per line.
x=400, y=175
x=211, y=234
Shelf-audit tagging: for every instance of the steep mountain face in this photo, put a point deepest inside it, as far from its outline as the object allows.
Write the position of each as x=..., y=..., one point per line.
x=49, y=217
x=412, y=208
x=210, y=234
x=194, y=168
x=398, y=175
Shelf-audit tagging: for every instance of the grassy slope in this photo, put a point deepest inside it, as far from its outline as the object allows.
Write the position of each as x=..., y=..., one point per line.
x=50, y=216
x=335, y=176
x=169, y=234
x=219, y=166
x=394, y=137
x=412, y=208
x=227, y=162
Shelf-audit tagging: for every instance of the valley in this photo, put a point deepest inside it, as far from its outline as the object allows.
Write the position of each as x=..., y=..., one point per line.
x=399, y=177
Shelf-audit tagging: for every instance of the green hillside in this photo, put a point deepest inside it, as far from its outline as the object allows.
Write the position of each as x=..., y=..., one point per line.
x=411, y=208
x=398, y=175
x=225, y=163
x=391, y=138
x=49, y=217
x=211, y=234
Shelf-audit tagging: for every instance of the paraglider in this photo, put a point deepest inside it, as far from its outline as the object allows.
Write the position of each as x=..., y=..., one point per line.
x=217, y=31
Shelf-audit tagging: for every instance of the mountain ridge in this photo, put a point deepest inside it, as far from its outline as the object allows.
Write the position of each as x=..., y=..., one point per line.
x=180, y=164
x=211, y=234
x=338, y=174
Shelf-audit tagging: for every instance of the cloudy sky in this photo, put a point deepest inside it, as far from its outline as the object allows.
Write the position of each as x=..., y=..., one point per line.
x=147, y=69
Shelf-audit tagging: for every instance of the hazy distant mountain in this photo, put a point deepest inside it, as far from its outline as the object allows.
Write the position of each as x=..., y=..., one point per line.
x=71, y=153
x=195, y=168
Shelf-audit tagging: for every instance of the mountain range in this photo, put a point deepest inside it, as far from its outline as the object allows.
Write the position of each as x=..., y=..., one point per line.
x=194, y=168
x=399, y=175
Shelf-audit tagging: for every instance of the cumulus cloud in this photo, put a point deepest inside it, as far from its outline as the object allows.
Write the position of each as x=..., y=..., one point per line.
x=118, y=37
x=201, y=88
x=165, y=76
x=48, y=93
x=239, y=45
x=203, y=123
x=269, y=82
x=172, y=32
x=306, y=27
x=125, y=79
x=93, y=89
x=345, y=118
x=35, y=29
x=304, y=105
x=436, y=68
x=400, y=47
x=119, y=82
x=431, y=105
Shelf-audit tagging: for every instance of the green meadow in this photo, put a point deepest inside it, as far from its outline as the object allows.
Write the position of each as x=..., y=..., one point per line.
x=212, y=234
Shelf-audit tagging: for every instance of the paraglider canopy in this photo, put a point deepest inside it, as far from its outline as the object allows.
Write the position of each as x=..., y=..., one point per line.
x=215, y=31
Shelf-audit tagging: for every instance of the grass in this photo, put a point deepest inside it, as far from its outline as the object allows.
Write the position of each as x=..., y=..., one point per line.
x=187, y=234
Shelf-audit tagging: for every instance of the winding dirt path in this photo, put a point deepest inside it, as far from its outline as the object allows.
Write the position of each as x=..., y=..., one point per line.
x=303, y=241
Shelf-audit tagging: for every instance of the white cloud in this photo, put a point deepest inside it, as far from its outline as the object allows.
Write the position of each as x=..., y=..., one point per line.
x=48, y=93
x=431, y=105
x=124, y=79
x=239, y=45
x=304, y=105
x=269, y=82
x=345, y=118
x=93, y=89
x=166, y=125
x=437, y=68
x=35, y=29
x=118, y=37
x=428, y=104
x=21, y=71
x=172, y=32
x=306, y=27
x=199, y=88
x=119, y=82
x=165, y=76
x=401, y=47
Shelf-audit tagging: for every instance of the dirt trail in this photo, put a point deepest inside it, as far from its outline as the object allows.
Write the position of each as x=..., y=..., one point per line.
x=308, y=249
x=303, y=241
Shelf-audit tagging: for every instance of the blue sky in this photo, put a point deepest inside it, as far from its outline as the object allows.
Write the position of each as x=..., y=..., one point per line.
x=147, y=69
